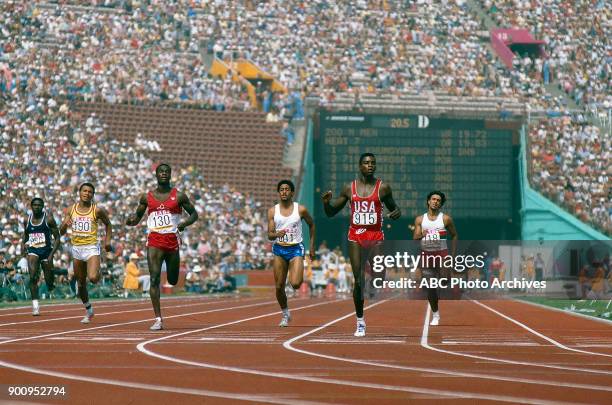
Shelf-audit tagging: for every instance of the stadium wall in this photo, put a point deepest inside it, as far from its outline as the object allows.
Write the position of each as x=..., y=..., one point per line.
x=541, y=219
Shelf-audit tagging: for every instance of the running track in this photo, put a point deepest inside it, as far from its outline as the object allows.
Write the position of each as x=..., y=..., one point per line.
x=229, y=350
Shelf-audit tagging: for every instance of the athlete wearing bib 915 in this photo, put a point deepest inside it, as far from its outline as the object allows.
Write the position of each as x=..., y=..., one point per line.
x=164, y=206
x=433, y=228
x=83, y=219
x=366, y=194
x=285, y=229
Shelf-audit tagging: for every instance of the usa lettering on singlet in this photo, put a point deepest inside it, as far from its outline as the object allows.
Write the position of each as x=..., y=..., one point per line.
x=84, y=226
x=292, y=225
x=163, y=216
x=435, y=234
x=366, y=214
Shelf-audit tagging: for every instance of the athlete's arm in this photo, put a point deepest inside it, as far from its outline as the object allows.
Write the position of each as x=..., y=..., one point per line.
x=272, y=233
x=450, y=227
x=103, y=215
x=66, y=222
x=311, y=228
x=186, y=204
x=418, y=230
x=24, y=240
x=387, y=198
x=134, y=219
x=334, y=207
x=56, y=236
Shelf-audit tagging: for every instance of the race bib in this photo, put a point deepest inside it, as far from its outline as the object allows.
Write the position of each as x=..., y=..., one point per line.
x=161, y=222
x=37, y=240
x=287, y=238
x=432, y=235
x=365, y=218
x=82, y=225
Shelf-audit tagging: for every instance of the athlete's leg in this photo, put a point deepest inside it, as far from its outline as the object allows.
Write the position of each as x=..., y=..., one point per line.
x=296, y=271
x=154, y=260
x=173, y=264
x=47, y=266
x=80, y=272
x=33, y=269
x=93, y=269
x=355, y=258
x=280, y=267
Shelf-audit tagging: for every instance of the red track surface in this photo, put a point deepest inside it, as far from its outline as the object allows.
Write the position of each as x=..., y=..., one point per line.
x=228, y=350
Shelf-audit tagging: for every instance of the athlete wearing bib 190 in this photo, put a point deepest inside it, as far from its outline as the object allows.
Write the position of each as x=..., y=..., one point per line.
x=290, y=245
x=366, y=216
x=433, y=242
x=84, y=236
x=162, y=222
x=39, y=238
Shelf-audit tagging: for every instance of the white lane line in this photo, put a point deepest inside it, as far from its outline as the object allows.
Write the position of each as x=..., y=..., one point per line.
x=112, y=325
x=288, y=345
x=477, y=343
x=104, y=303
x=110, y=313
x=538, y=334
x=358, y=341
x=417, y=390
x=425, y=344
x=129, y=384
x=572, y=313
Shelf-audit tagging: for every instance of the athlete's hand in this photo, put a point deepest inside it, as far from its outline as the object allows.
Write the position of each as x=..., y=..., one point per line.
x=50, y=258
x=107, y=246
x=311, y=254
x=131, y=221
x=326, y=197
x=65, y=225
x=181, y=227
x=395, y=214
x=281, y=233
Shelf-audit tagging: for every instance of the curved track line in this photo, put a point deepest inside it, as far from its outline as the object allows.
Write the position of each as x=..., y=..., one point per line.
x=408, y=389
x=538, y=334
x=217, y=394
x=288, y=345
x=426, y=345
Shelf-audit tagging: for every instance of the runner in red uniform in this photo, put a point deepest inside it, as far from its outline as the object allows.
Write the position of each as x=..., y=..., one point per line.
x=165, y=206
x=366, y=194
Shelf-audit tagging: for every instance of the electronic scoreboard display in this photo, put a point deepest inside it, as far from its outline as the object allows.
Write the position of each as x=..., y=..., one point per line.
x=468, y=159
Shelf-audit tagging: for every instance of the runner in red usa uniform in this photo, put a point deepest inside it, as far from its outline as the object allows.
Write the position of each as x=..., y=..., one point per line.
x=366, y=194
x=165, y=206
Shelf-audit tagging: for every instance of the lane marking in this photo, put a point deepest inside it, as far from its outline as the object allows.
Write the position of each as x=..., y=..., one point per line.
x=538, y=334
x=425, y=344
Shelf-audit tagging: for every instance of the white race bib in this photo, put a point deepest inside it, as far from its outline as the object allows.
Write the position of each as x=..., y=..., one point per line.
x=365, y=218
x=162, y=222
x=81, y=225
x=288, y=238
x=37, y=240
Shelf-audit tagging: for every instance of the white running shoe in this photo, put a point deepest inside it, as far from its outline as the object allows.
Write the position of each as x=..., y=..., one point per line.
x=35, y=311
x=158, y=325
x=361, y=329
x=88, y=317
x=435, y=320
x=285, y=321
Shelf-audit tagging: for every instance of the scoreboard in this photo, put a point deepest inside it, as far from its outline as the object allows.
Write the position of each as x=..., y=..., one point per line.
x=470, y=160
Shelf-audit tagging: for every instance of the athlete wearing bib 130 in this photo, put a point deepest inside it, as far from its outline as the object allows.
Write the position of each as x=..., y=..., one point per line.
x=366, y=216
x=290, y=244
x=84, y=236
x=162, y=221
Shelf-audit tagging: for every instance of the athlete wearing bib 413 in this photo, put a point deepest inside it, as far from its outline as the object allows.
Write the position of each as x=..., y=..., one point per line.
x=162, y=222
x=366, y=216
x=290, y=244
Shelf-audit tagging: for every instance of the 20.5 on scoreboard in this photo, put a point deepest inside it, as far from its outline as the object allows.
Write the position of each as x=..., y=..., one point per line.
x=471, y=160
